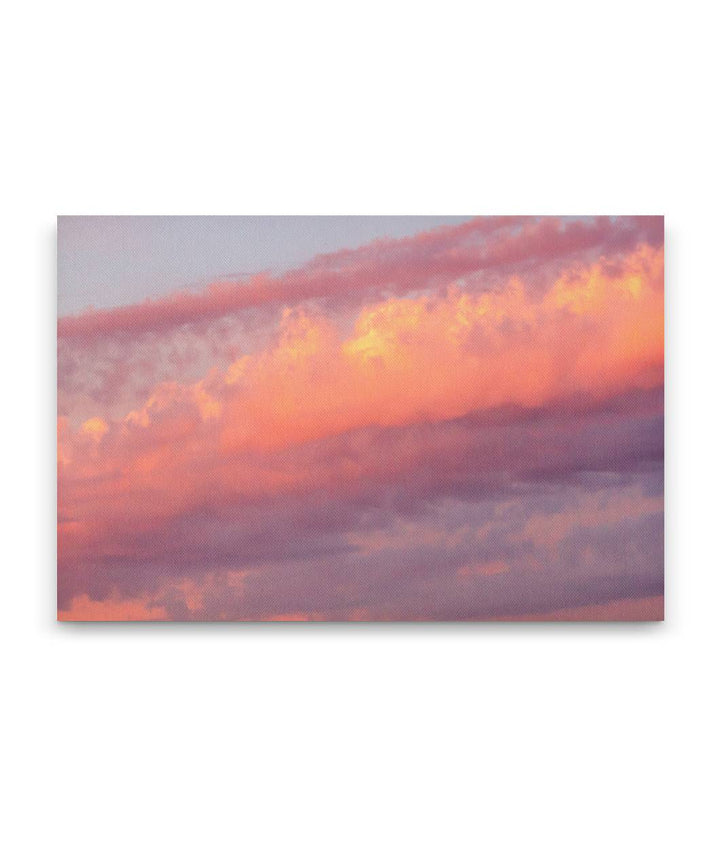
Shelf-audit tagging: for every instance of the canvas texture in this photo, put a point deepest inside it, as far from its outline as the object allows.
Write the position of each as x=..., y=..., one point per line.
x=360, y=418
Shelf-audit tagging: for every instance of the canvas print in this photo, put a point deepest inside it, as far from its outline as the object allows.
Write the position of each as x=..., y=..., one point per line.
x=360, y=418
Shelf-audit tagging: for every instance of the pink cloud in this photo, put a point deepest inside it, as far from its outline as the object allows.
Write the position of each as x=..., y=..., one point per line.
x=298, y=414
x=84, y=608
x=400, y=265
x=628, y=609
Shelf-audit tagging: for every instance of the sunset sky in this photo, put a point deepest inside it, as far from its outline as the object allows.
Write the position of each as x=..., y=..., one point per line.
x=360, y=418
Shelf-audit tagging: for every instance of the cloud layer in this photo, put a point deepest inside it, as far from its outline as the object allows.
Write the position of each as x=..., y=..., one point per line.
x=463, y=424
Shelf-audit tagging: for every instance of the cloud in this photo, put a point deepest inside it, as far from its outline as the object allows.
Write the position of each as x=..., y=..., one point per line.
x=630, y=609
x=400, y=266
x=272, y=482
x=83, y=608
x=112, y=357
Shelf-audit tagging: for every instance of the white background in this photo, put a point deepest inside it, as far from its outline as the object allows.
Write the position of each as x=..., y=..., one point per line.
x=359, y=739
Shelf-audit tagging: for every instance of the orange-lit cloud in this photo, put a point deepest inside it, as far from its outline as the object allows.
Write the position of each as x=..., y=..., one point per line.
x=405, y=360
x=402, y=265
x=285, y=418
x=484, y=569
x=438, y=358
x=83, y=608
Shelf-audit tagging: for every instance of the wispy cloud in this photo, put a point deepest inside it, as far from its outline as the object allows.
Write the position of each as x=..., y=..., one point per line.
x=224, y=464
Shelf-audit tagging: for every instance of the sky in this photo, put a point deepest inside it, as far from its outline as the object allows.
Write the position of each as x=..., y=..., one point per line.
x=360, y=418
x=111, y=261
